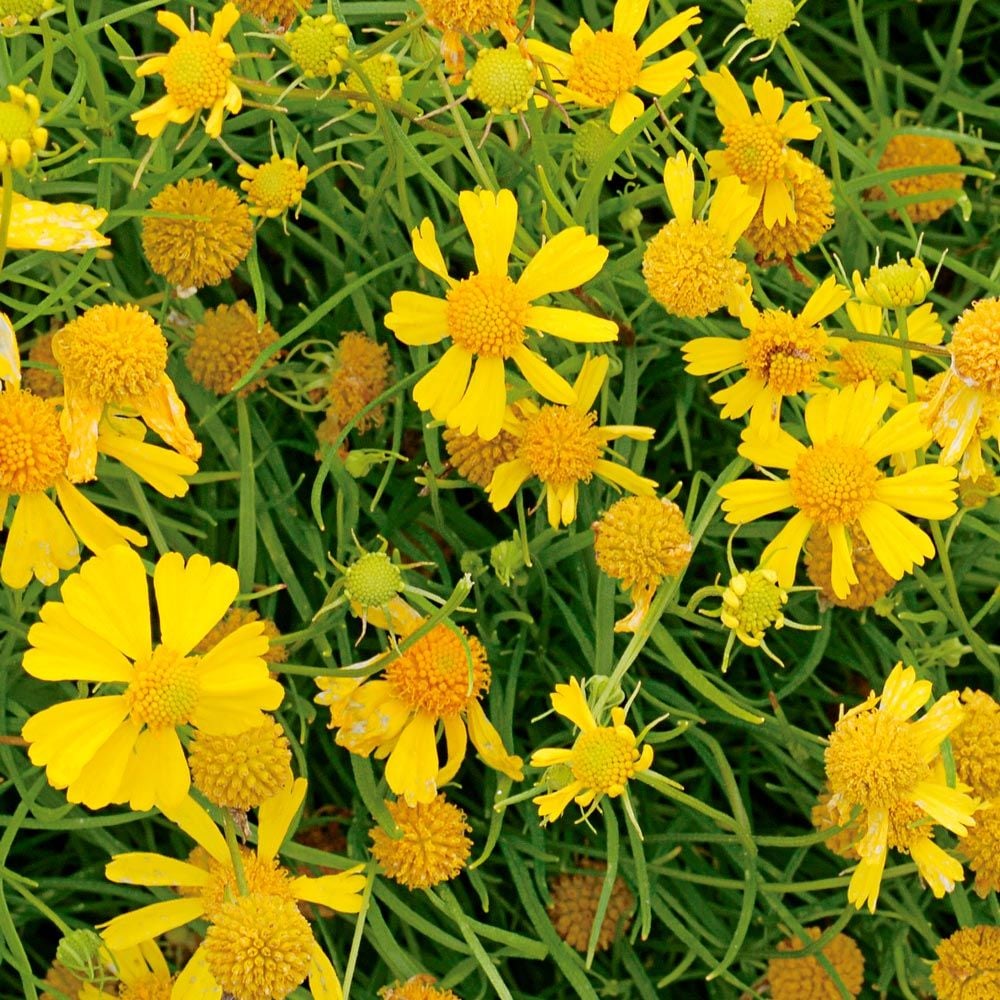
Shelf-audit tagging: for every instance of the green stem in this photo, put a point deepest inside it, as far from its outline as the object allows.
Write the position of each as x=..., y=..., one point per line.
x=229, y=827
x=7, y=179
x=911, y=389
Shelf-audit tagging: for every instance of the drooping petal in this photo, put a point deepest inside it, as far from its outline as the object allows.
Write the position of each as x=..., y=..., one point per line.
x=623, y=476
x=546, y=381
x=456, y=742
x=40, y=543
x=593, y=373
x=624, y=111
x=195, y=981
x=733, y=207
x=274, y=818
x=191, y=598
x=490, y=746
x=730, y=104
x=163, y=411
x=162, y=761
x=866, y=881
x=739, y=397
x=201, y=828
x=937, y=868
x=778, y=206
x=571, y=703
x=428, y=252
x=950, y=807
x=324, y=983
x=162, y=468
x=508, y=478
x=481, y=409
x=669, y=32
x=150, y=922
x=782, y=554
x=570, y=259
x=412, y=767
x=94, y=528
x=492, y=221
x=341, y=892
x=99, y=782
x=552, y=805
x=441, y=389
x=842, y=574
x=416, y=318
x=898, y=544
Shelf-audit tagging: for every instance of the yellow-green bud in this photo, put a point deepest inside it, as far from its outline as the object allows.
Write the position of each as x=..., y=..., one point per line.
x=373, y=580
x=769, y=19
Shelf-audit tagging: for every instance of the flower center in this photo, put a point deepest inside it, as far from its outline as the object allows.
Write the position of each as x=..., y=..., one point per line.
x=603, y=759
x=163, y=691
x=319, y=45
x=769, y=19
x=605, y=68
x=470, y=16
x=753, y=602
x=975, y=345
x=373, y=580
x=502, y=79
x=264, y=876
x=874, y=760
x=785, y=353
x=197, y=74
x=832, y=482
x=112, y=353
x=755, y=150
x=276, y=186
x=486, y=315
x=561, y=445
x=640, y=540
x=149, y=987
x=860, y=362
x=33, y=451
x=905, y=283
x=259, y=947
x=435, y=674
x=15, y=123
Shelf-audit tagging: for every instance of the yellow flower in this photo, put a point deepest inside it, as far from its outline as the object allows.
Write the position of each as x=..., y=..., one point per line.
x=966, y=965
x=236, y=618
x=861, y=360
x=440, y=678
x=416, y=988
x=756, y=144
x=125, y=747
x=470, y=16
x=812, y=196
x=381, y=74
x=274, y=187
x=835, y=481
x=913, y=150
x=238, y=924
x=888, y=765
x=801, y=977
x=894, y=286
x=640, y=540
x=573, y=902
x=475, y=459
x=602, y=68
x=21, y=132
x=319, y=45
x=562, y=447
x=689, y=265
x=202, y=235
x=33, y=461
x=360, y=372
x=601, y=761
x=227, y=343
x=752, y=602
x=433, y=847
x=783, y=356
x=874, y=581
x=965, y=408
x=486, y=315
x=975, y=745
x=767, y=21
x=142, y=974
x=197, y=73
x=116, y=355
x=60, y=228
x=981, y=847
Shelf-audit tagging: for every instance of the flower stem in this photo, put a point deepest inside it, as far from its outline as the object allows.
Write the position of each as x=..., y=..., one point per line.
x=229, y=827
x=6, y=207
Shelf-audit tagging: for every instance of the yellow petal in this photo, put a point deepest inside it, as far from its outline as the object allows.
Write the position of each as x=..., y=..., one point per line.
x=902, y=694
x=340, y=892
x=64, y=650
x=571, y=324
x=164, y=413
x=196, y=981
x=150, y=922
x=710, y=355
x=770, y=99
x=661, y=77
x=570, y=259
x=161, y=468
x=200, y=827
x=323, y=981
x=235, y=655
x=224, y=22
x=552, y=805
x=173, y=23
x=275, y=818
x=624, y=111
x=550, y=757
x=95, y=529
x=669, y=32
x=191, y=598
x=145, y=868
x=40, y=543
x=428, y=252
x=508, y=478
x=10, y=359
x=778, y=206
x=739, y=397
x=730, y=104
x=748, y=499
x=546, y=381
x=927, y=491
x=481, y=409
x=948, y=806
x=624, y=477
x=571, y=703
x=896, y=543
x=442, y=388
x=777, y=450
x=629, y=15
x=100, y=780
x=782, y=554
x=491, y=220
x=593, y=372
x=827, y=299
x=456, y=742
x=412, y=768
x=417, y=318
x=842, y=574
x=490, y=746
x=160, y=757
x=937, y=868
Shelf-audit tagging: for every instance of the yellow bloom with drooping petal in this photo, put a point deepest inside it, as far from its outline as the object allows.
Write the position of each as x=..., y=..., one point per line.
x=602, y=68
x=835, y=483
x=210, y=891
x=125, y=747
x=964, y=406
x=689, y=265
x=860, y=360
x=889, y=766
x=756, y=143
x=197, y=73
x=602, y=760
x=61, y=228
x=440, y=678
x=487, y=315
x=117, y=355
x=42, y=539
x=783, y=355
x=562, y=447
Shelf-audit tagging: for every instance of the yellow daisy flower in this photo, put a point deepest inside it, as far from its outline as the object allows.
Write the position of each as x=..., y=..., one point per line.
x=113, y=354
x=835, y=481
x=61, y=228
x=689, y=265
x=125, y=747
x=42, y=540
x=487, y=315
x=197, y=73
x=440, y=678
x=600, y=762
x=757, y=142
x=602, y=68
x=783, y=355
x=881, y=761
x=210, y=891
x=560, y=446
x=142, y=974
